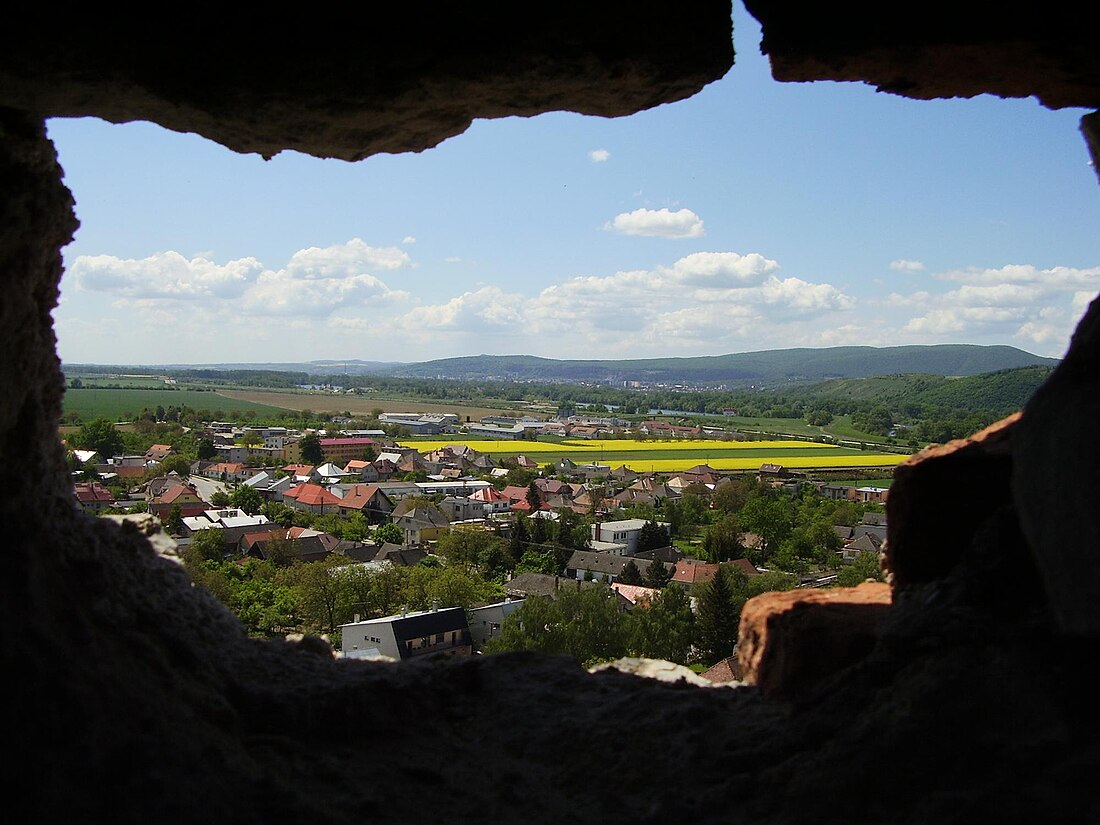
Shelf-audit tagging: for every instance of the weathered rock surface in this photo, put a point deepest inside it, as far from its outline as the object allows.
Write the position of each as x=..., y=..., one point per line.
x=788, y=643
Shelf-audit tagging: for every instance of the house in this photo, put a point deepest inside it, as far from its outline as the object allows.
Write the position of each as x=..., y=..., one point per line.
x=689, y=573
x=422, y=524
x=342, y=450
x=159, y=452
x=367, y=499
x=863, y=544
x=625, y=532
x=408, y=636
x=93, y=497
x=601, y=566
x=184, y=495
x=232, y=523
x=328, y=473
x=492, y=501
x=486, y=622
x=363, y=470
x=542, y=584
x=635, y=593
x=311, y=497
x=306, y=545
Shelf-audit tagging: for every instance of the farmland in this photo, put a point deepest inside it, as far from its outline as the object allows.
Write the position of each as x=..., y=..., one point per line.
x=363, y=405
x=121, y=404
x=664, y=456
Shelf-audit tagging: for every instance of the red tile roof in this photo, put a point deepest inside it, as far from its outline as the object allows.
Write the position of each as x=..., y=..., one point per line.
x=311, y=495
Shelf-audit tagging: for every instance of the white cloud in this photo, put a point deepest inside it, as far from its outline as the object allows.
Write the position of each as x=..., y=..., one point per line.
x=599, y=155
x=408, y=239
x=453, y=259
x=659, y=223
x=469, y=311
x=903, y=265
x=315, y=281
x=165, y=275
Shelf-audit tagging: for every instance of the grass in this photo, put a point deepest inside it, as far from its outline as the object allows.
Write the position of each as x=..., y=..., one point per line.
x=115, y=404
x=360, y=405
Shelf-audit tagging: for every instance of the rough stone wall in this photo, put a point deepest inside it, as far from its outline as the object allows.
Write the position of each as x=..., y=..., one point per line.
x=134, y=697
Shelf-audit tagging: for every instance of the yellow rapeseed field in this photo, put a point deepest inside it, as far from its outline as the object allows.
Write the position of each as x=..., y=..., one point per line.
x=616, y=445
x=672, y=465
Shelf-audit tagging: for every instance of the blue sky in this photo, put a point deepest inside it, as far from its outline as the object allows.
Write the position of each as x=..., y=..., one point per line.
x=756, y=215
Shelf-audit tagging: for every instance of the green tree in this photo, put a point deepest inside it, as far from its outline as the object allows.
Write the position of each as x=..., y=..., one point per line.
x=219, y=499
x=173, y=522
x=866, y=566
x=388, y=533
x=657, y=575
x=770, y=517
x=651, y=536
x=717, y=618
x=206, y=449
x=631, y=574
x=585, y=623
x=178, y=464
x=664, y=628
x=246, y=498
x=311, y=448
x=100, y=435
x=534, y=496
x=208, y=544
x=722, y=540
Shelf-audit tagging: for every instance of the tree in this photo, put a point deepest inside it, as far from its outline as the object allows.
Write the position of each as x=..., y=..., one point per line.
x=657, y=575
x=388, y=533
x=100, y=435
x=651, y=537
x=664, y=628
x=208, y=544
x=519, y=539
x=722, y=540
x=311, y=448
x=178, y=464
x=220, y=499
x=717, y=618
x=585, y=623
x=251, y=439
x=534, y=496
x=247, y=499
x=866, y=566
x=173, y=522
x=769, y=517
x=631, y=574
x=206, y=449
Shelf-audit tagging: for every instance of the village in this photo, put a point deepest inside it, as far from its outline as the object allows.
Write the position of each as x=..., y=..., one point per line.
x=366, y=508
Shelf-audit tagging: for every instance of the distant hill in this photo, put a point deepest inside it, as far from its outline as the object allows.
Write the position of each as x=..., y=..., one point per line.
x=999, y=392
x=767, y=368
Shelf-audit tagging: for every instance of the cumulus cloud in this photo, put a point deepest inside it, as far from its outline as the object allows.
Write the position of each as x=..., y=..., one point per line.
x=658, y=223
x=599, y=155
x=314, y=281
x=472, y=310
x=903, y=265
x=166, y=275
x=408, y=239
x=1035, y=305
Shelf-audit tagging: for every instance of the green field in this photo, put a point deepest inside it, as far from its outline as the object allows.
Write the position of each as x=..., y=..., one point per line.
x=123, y=404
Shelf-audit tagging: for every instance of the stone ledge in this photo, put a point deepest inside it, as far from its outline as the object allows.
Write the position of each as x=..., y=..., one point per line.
x=789, y=642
